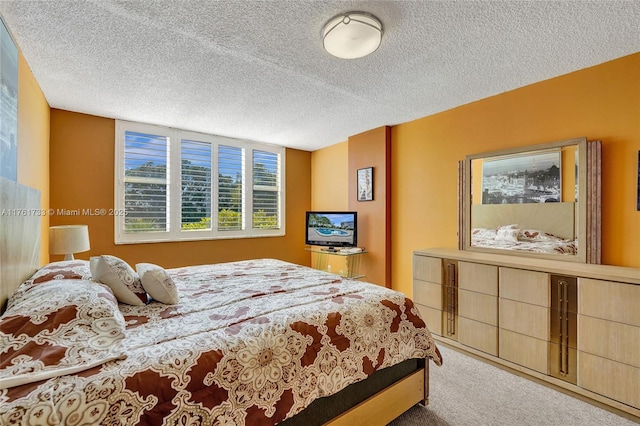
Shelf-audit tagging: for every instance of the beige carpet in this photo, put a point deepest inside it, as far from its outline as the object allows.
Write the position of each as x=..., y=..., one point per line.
x=466, y=391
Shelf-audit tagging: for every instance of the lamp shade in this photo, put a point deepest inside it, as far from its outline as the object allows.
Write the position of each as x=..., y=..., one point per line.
x=352, y=35
x=68, y=239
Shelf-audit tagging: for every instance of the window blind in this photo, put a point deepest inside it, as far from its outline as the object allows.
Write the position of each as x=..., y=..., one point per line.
x=146, y=177
x=230, y=188
x=196, y=165
x=266, y=189
x=178, y=185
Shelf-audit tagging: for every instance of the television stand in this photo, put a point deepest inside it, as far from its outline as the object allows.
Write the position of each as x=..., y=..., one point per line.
x=344, y=263
x=330, y=249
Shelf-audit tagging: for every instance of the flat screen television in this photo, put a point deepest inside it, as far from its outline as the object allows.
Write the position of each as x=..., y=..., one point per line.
x=332, y=229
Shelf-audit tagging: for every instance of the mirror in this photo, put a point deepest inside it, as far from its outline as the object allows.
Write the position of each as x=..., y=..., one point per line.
x=536, y=201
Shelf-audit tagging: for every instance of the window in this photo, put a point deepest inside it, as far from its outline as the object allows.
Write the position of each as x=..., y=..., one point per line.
x=176, y=185
x=230, y=187
x=266, y=200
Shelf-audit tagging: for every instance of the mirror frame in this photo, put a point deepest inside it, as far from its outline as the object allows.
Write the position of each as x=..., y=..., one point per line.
x=587, y=212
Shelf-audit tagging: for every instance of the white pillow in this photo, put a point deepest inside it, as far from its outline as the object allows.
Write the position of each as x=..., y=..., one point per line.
x=157, y=282
x=119, y=277
x=507, y=234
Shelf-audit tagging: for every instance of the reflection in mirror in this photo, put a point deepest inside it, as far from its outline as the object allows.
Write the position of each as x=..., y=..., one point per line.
x=528, y=201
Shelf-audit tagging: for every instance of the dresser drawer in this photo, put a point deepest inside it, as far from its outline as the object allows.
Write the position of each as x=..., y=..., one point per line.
x=609, y=378
x=609, y=300
x=478, y=335
x=524, y=350
x=478, y=277
x=525, y=286
x=427, y=269
x=478, y=307
x=608, y=339
x=523, y=318
x=428, y=294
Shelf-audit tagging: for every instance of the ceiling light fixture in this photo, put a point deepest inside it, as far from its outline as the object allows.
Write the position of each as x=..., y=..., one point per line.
x=352, y=35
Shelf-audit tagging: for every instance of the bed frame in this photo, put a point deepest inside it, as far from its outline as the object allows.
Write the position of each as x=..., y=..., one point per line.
x=389, y=403
x=378, y=400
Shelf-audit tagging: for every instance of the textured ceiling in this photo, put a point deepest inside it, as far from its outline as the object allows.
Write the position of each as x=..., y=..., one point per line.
x=257, y=70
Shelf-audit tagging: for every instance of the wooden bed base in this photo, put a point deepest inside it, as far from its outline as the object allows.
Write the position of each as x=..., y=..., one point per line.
x=390, y=402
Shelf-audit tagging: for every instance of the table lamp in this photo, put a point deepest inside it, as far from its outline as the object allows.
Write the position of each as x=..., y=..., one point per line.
x=68, y=239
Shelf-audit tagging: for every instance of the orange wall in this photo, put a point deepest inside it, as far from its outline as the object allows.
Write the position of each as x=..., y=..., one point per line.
x=601, y=102
x=334, y=188
x=373, y=149
x=33, y=144
x=82, y=177
x=330, y=188
x=329, y=178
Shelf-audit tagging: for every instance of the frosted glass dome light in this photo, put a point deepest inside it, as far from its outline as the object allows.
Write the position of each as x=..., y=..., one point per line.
x=352, y=35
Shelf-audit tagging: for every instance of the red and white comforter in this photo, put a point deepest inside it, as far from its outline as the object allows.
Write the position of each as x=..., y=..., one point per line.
x=251, y=342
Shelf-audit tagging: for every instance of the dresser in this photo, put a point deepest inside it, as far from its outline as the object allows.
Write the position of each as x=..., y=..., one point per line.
x=576, y=326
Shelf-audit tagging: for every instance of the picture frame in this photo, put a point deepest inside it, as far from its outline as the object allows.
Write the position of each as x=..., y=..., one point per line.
x=518, y=179
x=365, y=184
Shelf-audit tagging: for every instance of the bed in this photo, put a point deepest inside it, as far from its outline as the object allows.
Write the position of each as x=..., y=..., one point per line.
x=256, y=342
x=536, y=227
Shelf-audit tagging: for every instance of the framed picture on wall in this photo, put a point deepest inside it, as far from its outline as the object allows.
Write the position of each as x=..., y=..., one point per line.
x=365, y=184
x=517, y=179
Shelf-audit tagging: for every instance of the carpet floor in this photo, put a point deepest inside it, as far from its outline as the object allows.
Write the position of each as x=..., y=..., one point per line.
x=466, y=391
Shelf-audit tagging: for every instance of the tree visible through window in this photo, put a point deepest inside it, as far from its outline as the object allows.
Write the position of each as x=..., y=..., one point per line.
x=196, y=164
x=230, y=187
x=146, y=183
x=265, y=189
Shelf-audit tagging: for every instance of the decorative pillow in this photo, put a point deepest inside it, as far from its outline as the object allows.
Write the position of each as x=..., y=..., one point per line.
x=120, y=277
x=512, y=226
x=157, y=282
x=536, y=235
x=66, y=269
x=507, y=234
x=57, y=328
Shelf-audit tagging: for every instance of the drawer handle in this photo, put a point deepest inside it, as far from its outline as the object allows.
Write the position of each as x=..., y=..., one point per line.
x=451, y=299
x=563, y=318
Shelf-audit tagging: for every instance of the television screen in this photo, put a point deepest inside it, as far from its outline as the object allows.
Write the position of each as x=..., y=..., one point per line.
x=332, y=229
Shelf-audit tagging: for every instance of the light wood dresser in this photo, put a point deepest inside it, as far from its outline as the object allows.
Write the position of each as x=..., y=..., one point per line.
x=573, y=326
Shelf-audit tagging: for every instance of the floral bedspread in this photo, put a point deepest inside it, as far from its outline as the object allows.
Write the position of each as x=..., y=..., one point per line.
x=541, y=243
x=251, y=342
